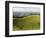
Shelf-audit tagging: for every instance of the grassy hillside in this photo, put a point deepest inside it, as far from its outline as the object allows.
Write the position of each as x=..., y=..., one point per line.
x=27, y=23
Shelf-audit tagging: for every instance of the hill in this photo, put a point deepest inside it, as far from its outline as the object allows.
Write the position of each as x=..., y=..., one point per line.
x=27, y=23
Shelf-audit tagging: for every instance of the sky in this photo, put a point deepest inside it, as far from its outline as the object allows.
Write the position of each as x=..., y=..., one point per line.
x=19, y=11
x=26, y=9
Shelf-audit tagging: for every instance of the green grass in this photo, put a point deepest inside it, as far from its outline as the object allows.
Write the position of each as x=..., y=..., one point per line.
x=27, y=23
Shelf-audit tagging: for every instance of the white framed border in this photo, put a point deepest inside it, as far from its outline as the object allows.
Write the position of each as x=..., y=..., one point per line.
x=11, y=5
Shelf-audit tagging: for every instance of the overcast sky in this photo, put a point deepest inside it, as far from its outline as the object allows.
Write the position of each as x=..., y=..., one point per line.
x=26, y=9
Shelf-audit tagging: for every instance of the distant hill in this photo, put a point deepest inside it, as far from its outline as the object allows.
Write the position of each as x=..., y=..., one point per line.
x=23, y=14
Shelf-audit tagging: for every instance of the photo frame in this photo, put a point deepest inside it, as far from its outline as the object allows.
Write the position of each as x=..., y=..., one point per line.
x=24, y=18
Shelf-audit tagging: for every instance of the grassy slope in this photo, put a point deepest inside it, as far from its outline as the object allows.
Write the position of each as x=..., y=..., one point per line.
x=27, y=23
